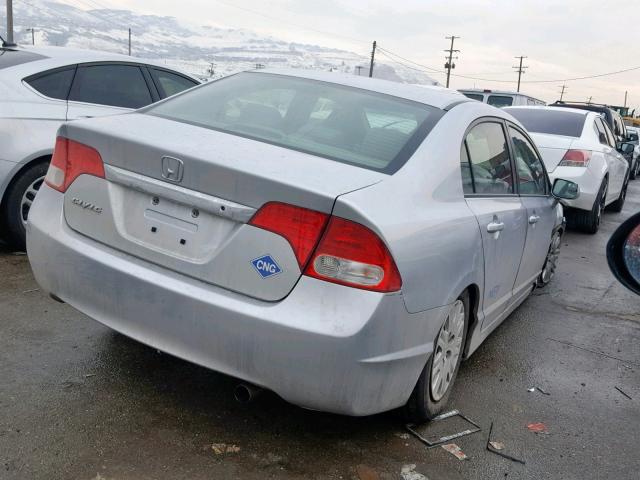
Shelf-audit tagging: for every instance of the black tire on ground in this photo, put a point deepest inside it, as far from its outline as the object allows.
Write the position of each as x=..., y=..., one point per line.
x=619, y=203
x=589, y=221
x=421, y=406
x=13, y=208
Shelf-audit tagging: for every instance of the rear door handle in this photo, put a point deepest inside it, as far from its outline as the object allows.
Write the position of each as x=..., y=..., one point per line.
x=534, y=219
x=494, y=227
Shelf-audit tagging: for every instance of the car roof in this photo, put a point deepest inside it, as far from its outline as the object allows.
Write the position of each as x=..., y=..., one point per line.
x=54, y=57
x=550, y=108
x=436, y=96
x=499, y=92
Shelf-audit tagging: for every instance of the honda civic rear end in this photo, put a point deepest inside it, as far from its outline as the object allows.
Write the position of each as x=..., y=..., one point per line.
x=220, y=236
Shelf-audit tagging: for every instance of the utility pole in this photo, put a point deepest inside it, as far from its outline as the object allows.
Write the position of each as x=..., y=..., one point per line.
x=211, y=71
x=33, y=35
x=564, y=88
x=129, y=42
x=589, y=99
x=358, y=68
x=9, y=42
x=520, y=69
x=625, y=98
x=373, y=56
x=449, y=65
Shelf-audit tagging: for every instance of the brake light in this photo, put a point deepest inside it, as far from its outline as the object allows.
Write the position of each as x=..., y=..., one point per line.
x=70, y=160
x=351, y=254
x=300, y=226
x=575, y=158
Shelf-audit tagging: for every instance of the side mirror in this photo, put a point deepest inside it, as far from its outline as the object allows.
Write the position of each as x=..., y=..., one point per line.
x=623, y=253
x=565, y=189
x=627, y=147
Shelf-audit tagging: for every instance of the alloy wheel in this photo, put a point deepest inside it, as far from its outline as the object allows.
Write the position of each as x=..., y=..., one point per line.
x=27, y=199
x=447, y=350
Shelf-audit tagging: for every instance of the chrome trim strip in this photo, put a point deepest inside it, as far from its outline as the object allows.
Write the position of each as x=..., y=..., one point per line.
x=192, y=198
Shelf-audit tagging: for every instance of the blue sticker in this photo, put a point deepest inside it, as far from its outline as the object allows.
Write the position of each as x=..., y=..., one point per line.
x=266, y=266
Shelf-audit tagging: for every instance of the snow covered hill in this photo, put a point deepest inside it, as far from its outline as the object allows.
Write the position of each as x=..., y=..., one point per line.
x=198, y=49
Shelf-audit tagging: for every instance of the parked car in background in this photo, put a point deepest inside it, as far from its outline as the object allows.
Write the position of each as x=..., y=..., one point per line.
x=611, y=117
x=500, y=98
x=578, y=145
x=339, y=240
x=42, y=87
x=633, y=137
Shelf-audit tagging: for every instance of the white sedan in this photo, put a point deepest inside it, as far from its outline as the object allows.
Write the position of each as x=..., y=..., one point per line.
x=40, y=88
x=579, y=146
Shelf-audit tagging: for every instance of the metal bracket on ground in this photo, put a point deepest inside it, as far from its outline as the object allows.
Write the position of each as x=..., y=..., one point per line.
x=442, y=440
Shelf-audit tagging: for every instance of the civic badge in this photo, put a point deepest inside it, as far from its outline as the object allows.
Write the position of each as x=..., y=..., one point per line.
x=172, y=169
x=266, y=266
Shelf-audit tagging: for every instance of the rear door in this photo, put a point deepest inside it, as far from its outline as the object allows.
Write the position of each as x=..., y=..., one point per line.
x=107, y=89
x=535, y=195
x=616, y=163
x=490, y=193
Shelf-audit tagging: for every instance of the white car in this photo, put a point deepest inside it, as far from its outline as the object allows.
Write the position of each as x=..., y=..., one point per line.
x=500, y=98
x=40, y=88
x=578, y=145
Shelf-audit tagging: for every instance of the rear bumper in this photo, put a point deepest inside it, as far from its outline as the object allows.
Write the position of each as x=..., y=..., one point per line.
x=323, y=347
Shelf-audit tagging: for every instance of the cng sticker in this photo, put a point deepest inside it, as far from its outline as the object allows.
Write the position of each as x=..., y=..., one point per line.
x=266, y=266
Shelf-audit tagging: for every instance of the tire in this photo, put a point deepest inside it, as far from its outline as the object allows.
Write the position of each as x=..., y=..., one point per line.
x=18, y=201
x=589, y=221
x=619, y=203
x=428, y=401
x=551, y=262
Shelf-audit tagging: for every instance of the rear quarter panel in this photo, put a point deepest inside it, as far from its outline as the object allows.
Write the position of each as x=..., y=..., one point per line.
x=422, y=215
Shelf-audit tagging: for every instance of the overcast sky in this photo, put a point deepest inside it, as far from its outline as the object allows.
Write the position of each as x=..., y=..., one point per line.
x=562, y=38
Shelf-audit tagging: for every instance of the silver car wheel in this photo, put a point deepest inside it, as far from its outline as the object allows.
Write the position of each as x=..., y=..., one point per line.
x=27, y=199
x=447, y=350
x=551, y=263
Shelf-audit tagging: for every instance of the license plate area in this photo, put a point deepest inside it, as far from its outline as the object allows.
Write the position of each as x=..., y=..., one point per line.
x=176, y=229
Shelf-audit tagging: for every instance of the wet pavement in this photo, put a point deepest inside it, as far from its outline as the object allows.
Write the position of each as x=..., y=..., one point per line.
x=78, y=401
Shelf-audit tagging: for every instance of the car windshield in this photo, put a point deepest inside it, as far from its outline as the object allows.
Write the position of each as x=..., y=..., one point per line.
x=551, y=122
x=500, y=101
x=346, y=124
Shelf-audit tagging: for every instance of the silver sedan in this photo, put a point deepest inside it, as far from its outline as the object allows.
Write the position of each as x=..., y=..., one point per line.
x=340, y=240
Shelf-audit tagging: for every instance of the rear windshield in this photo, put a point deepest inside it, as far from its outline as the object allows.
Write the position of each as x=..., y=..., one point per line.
x=474, y=96
x=11, y=58
x=500, y=101
x=349, y=125
x=552, y=122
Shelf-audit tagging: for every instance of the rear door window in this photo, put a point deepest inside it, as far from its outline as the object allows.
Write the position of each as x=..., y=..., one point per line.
x=610, y=138
x=170, y=83
x=490, y=165
x=600, y=131
x=500, y=101
x=532, y=179
x=115, y=85
x=54, y=84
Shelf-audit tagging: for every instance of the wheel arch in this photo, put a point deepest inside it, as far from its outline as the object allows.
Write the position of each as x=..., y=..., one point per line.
x=15, y=175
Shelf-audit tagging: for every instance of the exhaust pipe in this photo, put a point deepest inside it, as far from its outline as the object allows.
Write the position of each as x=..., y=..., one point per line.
x=245, y=392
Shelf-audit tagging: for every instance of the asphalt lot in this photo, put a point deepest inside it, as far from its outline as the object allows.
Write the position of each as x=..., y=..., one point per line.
x=78, y=401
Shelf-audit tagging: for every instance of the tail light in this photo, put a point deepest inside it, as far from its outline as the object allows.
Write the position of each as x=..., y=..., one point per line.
x=300, y=226
x=348, y=253
x=70, y=160
x=351, y=254
x=575, y=158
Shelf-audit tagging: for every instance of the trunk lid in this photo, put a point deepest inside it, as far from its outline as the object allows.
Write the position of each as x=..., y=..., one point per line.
x=180, y=196
x=552, y=148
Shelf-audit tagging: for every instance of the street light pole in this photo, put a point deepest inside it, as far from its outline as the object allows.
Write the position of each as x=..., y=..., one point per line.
x=9, y=41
